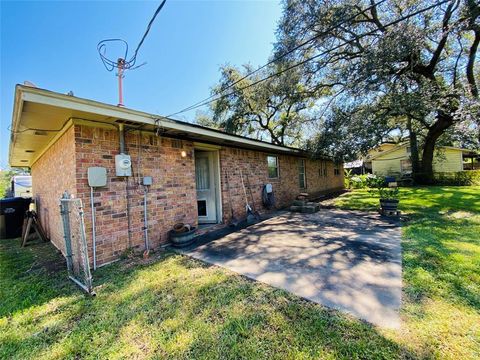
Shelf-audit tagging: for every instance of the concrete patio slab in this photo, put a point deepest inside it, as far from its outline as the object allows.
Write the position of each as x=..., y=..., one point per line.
x=347, y=260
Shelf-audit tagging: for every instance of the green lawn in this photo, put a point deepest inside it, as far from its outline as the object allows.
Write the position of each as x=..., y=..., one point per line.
x=175, y=307
x=441, y=268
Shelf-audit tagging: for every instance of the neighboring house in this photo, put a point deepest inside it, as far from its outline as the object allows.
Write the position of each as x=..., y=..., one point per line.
x=364, y=165
x=22, y=186
x=197, y=172
x=394, y=160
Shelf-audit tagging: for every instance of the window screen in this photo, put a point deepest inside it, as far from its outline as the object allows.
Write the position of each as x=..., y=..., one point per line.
x=322, y=171
x=202, y=173
x=272, y=162
x=301, y=173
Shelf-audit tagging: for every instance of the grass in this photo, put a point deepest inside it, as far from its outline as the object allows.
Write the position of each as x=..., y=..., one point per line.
x=441, y=268
x=170, y=307
x=174, y=307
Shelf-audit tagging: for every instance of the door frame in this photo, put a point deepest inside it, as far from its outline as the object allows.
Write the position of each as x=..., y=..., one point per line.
x=215, y=150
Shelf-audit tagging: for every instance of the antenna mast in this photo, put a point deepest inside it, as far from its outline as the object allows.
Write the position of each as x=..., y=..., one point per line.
x=120, y=68
x=122, y=64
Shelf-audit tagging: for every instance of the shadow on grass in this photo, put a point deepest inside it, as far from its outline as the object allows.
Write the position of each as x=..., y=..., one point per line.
x=30, y=276
x=441, y=251
x=174, y=307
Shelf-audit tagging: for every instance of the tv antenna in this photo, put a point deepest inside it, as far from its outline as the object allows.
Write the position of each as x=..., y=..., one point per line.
x=124, y=63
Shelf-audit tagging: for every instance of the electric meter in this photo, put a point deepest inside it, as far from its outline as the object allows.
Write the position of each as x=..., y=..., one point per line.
x=123, y=165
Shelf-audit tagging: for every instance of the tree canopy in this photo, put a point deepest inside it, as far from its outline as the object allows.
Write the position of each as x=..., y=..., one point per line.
x=274, y=110
x=389, y=70
x=366, y=70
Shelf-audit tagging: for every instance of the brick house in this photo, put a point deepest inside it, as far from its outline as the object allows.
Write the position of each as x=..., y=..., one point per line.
x=197, y=172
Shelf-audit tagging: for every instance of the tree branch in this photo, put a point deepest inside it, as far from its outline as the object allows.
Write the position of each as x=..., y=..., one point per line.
x=375, y=18
x=471, y=62
x=445, y=32
x=455, y=67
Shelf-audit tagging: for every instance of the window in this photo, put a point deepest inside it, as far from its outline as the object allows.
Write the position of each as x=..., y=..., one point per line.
x=336, y=170
x=272, y=163
x=322, y=171
x=176, y=143
x=409, y=150
x=301, y=173
x=202, y=173
x=406, y=166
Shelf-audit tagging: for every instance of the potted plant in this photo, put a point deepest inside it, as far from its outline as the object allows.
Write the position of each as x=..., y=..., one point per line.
x=389, y=195
x=182, y=235
x=389, y=199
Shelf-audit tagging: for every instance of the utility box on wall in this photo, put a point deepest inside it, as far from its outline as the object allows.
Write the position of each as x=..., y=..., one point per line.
x=123, y=165
x=97, y=176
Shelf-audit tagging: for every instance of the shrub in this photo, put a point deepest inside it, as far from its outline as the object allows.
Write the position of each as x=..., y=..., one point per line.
x=366, y=181
x=459, y=178
x=347, y=178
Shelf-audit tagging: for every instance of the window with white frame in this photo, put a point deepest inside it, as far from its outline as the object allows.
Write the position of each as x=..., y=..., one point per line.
x=272, y=164
x=406, y=166
x=301, y=174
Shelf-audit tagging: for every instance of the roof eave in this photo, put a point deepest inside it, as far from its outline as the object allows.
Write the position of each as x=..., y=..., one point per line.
x=17, y=110
x=41, y=96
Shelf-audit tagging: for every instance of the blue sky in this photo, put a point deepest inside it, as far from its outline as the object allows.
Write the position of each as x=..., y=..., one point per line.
x=53, y=45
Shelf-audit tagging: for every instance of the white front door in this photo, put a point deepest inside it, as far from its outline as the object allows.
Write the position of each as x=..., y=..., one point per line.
x=205, y=182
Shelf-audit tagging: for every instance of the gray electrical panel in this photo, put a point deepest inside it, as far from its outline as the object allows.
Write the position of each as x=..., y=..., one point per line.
x=123, y=165
x=147, y=180
x=97, y=176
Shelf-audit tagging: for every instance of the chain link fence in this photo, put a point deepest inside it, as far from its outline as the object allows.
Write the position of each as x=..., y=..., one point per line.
x=76, y=243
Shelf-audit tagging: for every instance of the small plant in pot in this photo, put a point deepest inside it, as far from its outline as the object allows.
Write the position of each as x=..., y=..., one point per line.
x=389, y=199
x=389, y=195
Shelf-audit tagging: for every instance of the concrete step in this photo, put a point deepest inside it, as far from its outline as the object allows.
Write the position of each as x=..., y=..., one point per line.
x=309, y=209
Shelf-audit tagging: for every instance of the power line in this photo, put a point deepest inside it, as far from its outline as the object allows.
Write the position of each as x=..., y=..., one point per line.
x=213, y=98
x=134, y=58
x=111, y=64
x=122, y=64
x=279, y=57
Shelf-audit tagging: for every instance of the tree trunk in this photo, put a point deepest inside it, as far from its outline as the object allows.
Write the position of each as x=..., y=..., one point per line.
x=413, y=148
x=444, y=121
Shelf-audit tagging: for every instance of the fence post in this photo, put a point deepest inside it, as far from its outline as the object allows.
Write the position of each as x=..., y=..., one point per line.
x=86, y=262
x=64, y=211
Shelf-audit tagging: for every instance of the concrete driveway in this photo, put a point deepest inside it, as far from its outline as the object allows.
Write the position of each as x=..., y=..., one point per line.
x=345, y=260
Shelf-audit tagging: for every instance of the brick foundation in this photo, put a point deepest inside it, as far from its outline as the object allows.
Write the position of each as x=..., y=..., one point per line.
x=172, y=197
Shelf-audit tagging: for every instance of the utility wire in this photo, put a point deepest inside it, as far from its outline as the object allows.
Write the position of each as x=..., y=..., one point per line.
x=111, y=64
x=207, y=100
x=210, y=99
x=281, y=56
x=134, y=57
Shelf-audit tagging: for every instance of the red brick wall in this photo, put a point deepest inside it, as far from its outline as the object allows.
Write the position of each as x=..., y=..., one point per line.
x=52, y=174
x=171, y=198
x=253, y=165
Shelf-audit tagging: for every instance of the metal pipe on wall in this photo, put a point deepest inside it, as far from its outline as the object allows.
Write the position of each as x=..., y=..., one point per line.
x=145, y=219
x=121, y=135
x=129, y=219
x=94, y=238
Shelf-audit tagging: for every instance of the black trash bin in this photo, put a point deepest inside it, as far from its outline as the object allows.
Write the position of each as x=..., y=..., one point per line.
x=13, y=210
